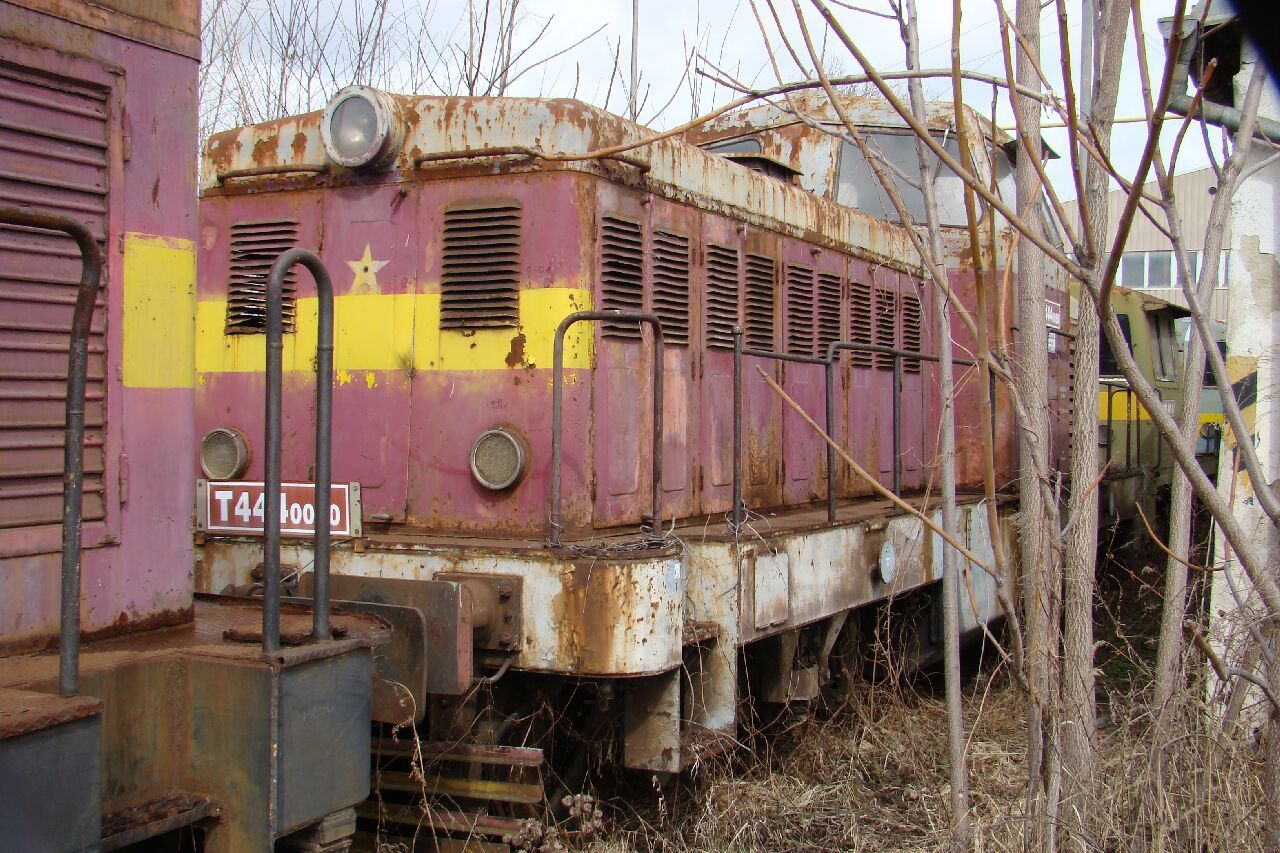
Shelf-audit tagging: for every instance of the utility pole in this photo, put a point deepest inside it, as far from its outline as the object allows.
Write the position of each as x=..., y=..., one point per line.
x=635, y=67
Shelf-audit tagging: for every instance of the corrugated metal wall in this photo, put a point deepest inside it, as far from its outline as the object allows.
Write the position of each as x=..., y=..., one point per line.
x=1194, y=192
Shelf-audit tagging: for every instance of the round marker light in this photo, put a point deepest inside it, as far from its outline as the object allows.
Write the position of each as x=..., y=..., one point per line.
x=224, y=454
x=360, y=128
x=497, y=459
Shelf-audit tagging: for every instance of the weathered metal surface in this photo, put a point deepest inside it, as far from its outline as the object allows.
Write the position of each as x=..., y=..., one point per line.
x=172, y=26
x=676, y=169
x=66, y=95
x=651, y=724
x=603, y=615
x=324, y=738
x=153, y=818
x=23, y=712
x=188, y=711
x=52, y=785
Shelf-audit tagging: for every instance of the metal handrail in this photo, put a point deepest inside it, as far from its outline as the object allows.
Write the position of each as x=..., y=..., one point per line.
x=276, y=169
x=73, y=455
x=833, y=350
x=324, y=433
x=522, y=151
x=738, y=352
x=557, y=411
x=1113, y=387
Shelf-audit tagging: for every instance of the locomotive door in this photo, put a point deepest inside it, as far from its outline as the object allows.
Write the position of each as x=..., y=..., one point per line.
x=371, y=250
x=673, y=243
x=62, y=155
x=622, y=390
x=719, y=306
x=811, y=319
x=913, y=314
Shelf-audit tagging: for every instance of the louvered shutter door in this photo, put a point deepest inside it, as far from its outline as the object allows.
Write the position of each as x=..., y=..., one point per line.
x=53, y=156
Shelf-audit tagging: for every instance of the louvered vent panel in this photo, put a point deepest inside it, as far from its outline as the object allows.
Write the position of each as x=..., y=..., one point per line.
x=54, y=155
x=828, y=311
x=911, y=337
x=860, y=321
x=480, y=282
x=254, y=248
x=799, y=309
x=885, y=325
x=761, y=282
x=671, y=286
x=722, y=296
x=621, y=275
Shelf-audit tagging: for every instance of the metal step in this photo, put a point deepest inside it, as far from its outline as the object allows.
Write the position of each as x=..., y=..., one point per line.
x=440, y=820
x=433, y=751
x=155, y=817
x=436, y=785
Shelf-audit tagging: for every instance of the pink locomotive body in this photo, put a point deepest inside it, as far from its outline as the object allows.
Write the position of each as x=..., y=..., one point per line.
x=460, y=234
x=132, y=710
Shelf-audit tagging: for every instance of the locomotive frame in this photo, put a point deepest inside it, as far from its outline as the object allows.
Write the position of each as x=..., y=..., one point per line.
x=481, y=240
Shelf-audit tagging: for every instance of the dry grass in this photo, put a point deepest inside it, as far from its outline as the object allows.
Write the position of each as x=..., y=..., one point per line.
x=874, y=777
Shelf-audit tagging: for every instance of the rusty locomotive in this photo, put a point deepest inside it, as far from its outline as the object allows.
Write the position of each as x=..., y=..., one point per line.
x=133, y=711
x=568, y=484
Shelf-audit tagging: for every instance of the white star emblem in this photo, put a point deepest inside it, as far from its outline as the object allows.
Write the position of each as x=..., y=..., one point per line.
x=366, y=272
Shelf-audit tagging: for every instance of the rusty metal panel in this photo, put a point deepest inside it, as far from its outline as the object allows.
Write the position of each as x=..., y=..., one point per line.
x=770, y=571
x=54, y=133
x=168, y=24
x=676, y=284
x=651, y=724
x=324, y=738
x=52, y=785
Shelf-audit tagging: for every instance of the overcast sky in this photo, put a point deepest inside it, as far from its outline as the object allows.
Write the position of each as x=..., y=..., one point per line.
x=725, y=31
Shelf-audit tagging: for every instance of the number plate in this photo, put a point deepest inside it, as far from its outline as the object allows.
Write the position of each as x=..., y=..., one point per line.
x=238, y=508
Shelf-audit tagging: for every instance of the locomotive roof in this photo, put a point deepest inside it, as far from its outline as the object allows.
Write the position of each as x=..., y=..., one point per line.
x=673, y=168
x=862, y=110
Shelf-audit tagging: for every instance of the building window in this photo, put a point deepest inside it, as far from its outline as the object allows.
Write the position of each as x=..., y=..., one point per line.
x=1133, y=269
x=1159, y=269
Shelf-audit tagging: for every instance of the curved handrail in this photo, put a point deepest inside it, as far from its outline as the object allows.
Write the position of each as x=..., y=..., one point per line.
x=557, y=411
x=73, y=457
x=324, y=434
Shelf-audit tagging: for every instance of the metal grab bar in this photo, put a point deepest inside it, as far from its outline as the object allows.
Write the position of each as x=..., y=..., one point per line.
x=524, y=151
x=738, y=352
x=324, y=433
x=73, y=456
x=557, y=410
x=833, y=350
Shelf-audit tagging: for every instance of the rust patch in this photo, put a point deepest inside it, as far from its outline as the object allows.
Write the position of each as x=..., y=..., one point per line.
x=515, y=358
x=126, y=623
x=299, y=146
x=23, y=711
x=264, y=149
x=222, y=149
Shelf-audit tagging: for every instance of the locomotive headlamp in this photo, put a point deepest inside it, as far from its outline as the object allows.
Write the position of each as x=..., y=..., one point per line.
x=497, y=459
x=360, y=128
x=224, y=454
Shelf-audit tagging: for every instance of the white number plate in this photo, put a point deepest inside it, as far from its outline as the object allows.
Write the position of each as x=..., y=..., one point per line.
x=238, y=507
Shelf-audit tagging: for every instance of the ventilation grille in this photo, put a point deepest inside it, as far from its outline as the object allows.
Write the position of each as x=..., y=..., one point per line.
x=621, y=275
x=254, y=248
x=860, y=321
x=722, y=296
x=671, y=286
x=885, y=325
x=761, y=280
x=799, y=310
x=911, y=338
x=480, y=284
x=828, y=311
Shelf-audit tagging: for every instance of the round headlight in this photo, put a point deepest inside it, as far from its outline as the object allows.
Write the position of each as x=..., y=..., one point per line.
x=360, y=128
x=497, y=459
x=224, y=454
